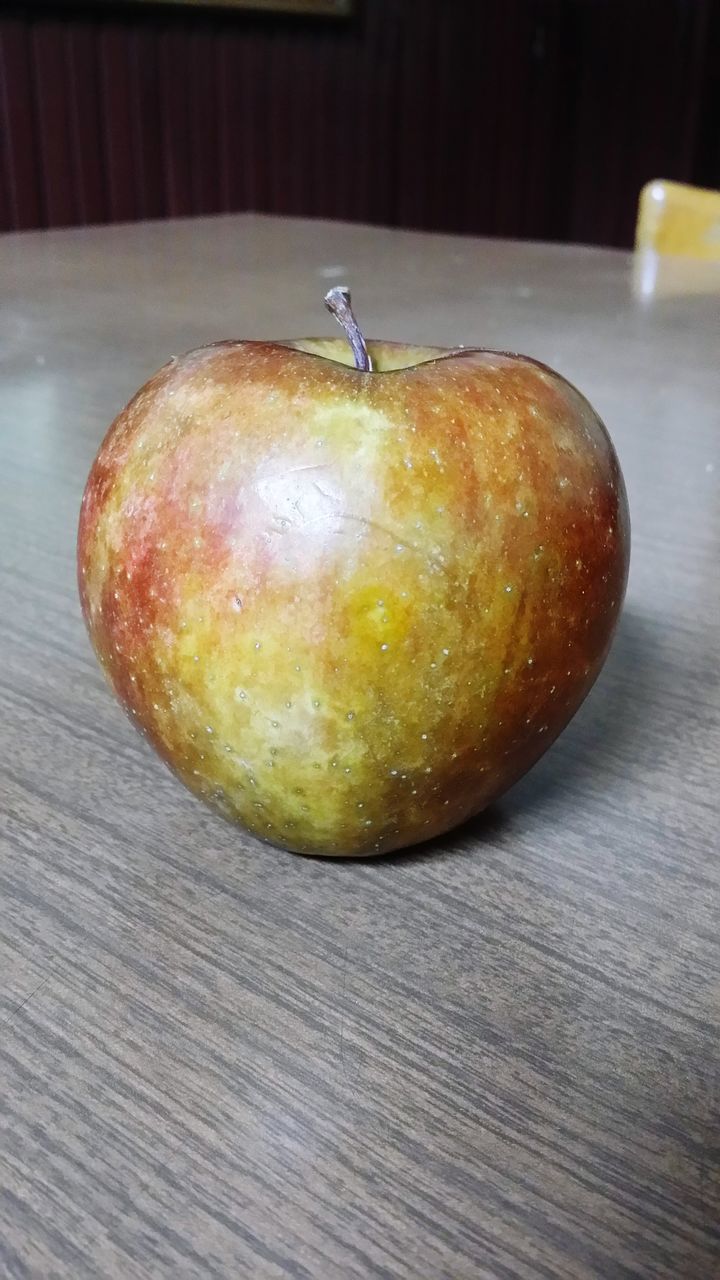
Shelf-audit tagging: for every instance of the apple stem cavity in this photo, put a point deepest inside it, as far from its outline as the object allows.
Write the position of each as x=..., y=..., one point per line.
x=338, y=303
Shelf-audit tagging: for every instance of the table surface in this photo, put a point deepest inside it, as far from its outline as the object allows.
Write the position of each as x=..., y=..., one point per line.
x=496, y=1057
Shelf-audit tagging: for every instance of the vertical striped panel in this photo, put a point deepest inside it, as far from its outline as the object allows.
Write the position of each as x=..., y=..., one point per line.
x=146, y=122
x=88, y=133
x=54, y=145
x=537, y=118
x=117, y=115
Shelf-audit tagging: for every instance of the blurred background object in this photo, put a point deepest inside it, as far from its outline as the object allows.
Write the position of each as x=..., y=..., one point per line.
x=679, y=219
x=538, y=119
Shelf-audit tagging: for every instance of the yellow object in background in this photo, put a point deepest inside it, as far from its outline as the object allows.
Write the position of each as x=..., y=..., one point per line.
x=677, y=219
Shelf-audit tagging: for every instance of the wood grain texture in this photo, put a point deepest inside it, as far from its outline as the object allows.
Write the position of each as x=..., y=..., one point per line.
x=497, y=1057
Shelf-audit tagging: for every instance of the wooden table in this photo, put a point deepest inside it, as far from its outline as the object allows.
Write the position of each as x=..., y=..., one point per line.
x=498, y=1057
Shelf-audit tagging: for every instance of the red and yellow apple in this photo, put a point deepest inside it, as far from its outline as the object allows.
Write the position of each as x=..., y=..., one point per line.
x=350, y=607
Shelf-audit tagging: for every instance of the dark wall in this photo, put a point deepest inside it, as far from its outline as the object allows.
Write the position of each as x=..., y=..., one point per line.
x=537, y=118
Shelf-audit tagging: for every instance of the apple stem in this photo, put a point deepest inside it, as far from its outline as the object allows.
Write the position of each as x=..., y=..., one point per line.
x=338, y=303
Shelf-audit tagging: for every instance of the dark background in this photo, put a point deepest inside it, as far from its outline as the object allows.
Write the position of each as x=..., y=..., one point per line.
x=530, y=118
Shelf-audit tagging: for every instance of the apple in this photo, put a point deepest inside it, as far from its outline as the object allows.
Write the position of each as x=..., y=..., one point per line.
x=351, y=592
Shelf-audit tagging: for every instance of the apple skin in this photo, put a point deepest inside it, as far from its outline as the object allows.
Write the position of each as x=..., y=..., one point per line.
x=350, y=609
